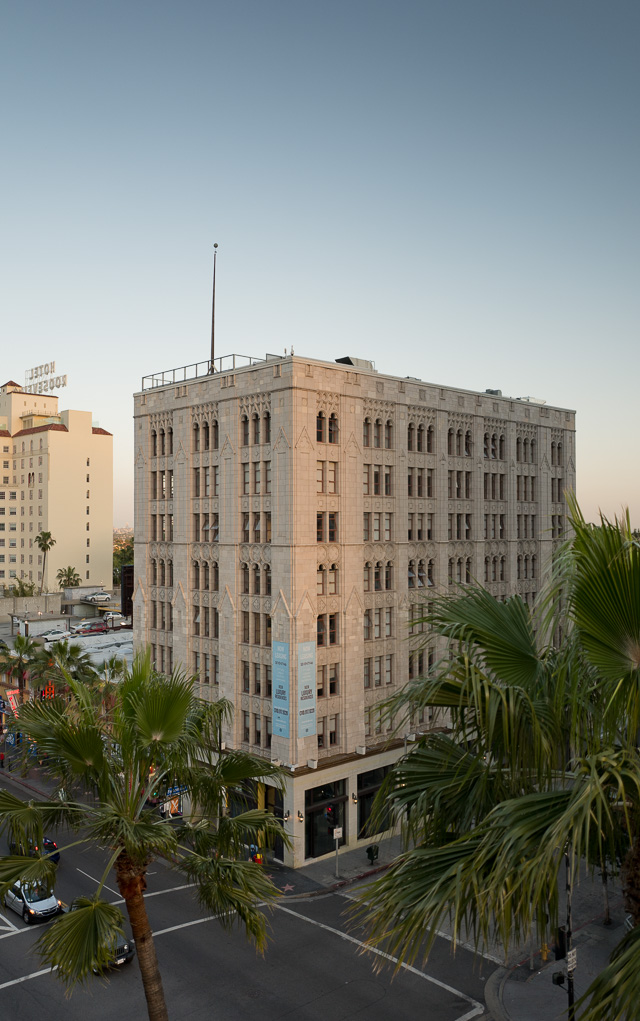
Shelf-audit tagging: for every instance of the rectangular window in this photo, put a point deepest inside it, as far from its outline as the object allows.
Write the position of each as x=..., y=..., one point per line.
x=246, y=477
x=332, y=476
x=246, y=535
x=320, y=526
x=366, y=526
x=256, y=477
x=430, y=482
x=267, y=476
x=320, y=476
x=196, y=482
x=332, y=529
x=245, y=676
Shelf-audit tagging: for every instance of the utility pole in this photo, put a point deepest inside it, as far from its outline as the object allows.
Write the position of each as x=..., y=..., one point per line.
x=213, y=310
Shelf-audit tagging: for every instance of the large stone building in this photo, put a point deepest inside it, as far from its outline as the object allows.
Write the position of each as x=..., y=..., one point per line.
x=57, y=476
x=293, y=516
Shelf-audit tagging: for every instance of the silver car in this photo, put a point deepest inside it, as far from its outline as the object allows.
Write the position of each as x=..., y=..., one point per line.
x=33, y=901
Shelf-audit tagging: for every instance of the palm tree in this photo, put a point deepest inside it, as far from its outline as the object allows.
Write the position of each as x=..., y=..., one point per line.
x=102, y=758
x=44, y=541
x=21, y=587
x=67, y=577
x=18, y=663
x=541, y=764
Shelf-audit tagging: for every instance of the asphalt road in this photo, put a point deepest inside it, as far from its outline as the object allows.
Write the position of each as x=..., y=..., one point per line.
x=313, y=970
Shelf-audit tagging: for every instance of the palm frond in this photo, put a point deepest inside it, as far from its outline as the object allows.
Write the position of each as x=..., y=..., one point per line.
x=81, y=941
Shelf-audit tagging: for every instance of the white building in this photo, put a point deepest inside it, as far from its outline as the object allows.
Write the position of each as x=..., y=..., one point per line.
x=293, y=515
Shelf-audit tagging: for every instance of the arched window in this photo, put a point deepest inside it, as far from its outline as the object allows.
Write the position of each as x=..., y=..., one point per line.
x=154, y=572
x=245, y=430
x=162, y=573
x=267, y=581
x=431, y=567
x=430, y=439
x=244, y=570
x=420, y=438
x=559, y=454
x=215, y=576
x=377, y=433
x=321, y=425
x=256, y=579
x=170, y=572
x=451, y=563
x=411, y=574
x=256, y=429
x=533, y=566
x=366, y=432
x=450, y=441
x=422, y=576
x=162, y=443
x=519, y=568
x=526, y=566
x=503, y=568
x=378, y=577
x=169, y=441
x=525, y=450
x=205, y=576
x=501, y=447
x=533, y=451
x=410, y=435
x=486, y=568
x=467, y=444
x=154, y=443
x=518, y=449
x=553, y=453
x=486, y=445
x=388, y=575
x=267, y=427
x=388, y=434
x=467, y=570
x=215, y=434
x=494, y=447
x=196, y=574
x=333, y=429
x=196, y=437
x=459, y=442
x=205, y=435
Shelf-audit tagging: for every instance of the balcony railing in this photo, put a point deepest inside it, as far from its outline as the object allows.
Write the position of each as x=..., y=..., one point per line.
x=198, y=370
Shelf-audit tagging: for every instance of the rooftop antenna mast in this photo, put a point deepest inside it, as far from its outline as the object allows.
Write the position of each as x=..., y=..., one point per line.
x=213, y=309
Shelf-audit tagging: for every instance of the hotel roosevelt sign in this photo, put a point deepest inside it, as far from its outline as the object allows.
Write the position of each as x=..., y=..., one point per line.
x=42, y=379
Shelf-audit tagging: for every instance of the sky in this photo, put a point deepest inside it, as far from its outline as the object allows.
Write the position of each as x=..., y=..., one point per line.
x=446, y=187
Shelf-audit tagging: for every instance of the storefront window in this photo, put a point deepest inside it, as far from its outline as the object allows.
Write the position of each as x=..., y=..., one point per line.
x=368, y=786
x=324, y=811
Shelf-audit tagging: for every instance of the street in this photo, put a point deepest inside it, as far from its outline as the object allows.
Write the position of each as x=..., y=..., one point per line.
x=314, y=966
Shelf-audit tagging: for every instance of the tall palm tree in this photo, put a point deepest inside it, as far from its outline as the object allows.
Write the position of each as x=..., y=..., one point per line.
x=541, y=763
x=67, y=577
x=44, y=541
x=102, y=758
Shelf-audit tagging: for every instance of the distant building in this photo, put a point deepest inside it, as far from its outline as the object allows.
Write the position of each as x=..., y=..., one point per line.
x=57, y=476
x=293, y=516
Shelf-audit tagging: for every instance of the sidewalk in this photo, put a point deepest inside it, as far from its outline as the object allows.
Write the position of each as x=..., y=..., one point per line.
x=514, y=992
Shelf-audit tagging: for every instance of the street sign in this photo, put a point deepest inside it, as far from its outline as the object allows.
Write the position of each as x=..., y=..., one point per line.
x=337, y=833
x=572, y=959
x=172, y=791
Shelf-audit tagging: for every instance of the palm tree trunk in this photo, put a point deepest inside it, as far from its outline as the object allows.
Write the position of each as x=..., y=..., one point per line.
x=44, y=566
x=132, y=884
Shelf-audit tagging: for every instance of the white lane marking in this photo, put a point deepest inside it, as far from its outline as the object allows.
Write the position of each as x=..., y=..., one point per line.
x=157, y=893
x=8, y=924
x=477, y=1007
x=185, y=925
x=465, y=944
x=97, y=881
x=26, y=978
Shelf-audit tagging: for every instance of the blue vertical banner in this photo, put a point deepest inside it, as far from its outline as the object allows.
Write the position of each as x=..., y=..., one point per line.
x=280, y=678
x=306, y=689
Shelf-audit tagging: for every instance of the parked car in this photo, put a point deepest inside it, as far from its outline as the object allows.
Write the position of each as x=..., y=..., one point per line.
x=33, y=901
x=55, y=634
x=113, y=619
x=90, y=627
x=98, y=597
x=49, y=847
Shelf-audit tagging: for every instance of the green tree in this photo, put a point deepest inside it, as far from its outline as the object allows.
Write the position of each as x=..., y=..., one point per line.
x=68, y=577
x=122, y=554
x=541, y=761
x=21, y=587
x=102, y=755
x=17, y=663
x=45, y=542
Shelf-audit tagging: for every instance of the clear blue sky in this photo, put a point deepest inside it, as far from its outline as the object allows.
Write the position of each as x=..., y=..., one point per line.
x=448, y=187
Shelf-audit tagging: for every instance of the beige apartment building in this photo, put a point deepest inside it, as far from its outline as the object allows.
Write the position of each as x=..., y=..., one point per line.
x=57, y=476
x=293, y=516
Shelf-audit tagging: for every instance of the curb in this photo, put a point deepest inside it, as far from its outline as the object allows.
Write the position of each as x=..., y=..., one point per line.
x=493, y=993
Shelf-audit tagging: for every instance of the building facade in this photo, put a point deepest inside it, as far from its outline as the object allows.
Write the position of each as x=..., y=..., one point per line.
x=57, y=476
x=293, y=516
